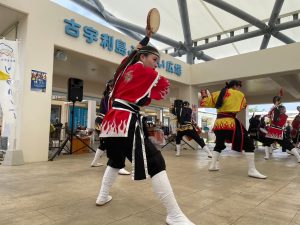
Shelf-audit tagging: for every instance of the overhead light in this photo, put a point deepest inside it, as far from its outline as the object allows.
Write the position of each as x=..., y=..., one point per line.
x=61, y=55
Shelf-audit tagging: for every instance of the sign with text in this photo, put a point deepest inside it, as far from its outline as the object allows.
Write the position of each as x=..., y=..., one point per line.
x=110, y=43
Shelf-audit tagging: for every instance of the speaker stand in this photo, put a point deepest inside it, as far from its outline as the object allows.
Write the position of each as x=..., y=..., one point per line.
x=70, y=137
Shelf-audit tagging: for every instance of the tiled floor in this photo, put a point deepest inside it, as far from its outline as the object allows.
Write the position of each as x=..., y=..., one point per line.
x=63, y=192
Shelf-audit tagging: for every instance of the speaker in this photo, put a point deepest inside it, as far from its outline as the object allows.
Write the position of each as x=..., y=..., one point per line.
x=178, y=103
x=75, y=90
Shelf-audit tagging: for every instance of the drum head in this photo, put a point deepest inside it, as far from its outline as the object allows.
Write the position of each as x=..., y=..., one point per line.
x=153, y=20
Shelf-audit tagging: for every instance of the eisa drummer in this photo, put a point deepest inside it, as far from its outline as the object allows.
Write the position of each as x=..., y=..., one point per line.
x=186, y=126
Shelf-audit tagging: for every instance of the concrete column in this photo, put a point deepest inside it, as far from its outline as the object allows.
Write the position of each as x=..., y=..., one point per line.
x=91, y=114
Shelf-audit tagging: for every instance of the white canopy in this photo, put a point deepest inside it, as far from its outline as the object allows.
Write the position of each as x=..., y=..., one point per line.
x=206, y=21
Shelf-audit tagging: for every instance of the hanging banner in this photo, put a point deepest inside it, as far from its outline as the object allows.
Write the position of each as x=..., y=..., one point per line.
x=8, y=87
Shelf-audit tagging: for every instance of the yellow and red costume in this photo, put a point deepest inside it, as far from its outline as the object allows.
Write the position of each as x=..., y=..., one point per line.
x=234, y=101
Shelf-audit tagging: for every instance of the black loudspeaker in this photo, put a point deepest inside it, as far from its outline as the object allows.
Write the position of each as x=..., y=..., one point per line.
x=75, y=90
x=178, y=103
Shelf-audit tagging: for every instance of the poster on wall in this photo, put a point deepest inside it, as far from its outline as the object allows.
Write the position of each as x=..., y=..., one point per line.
x=38, y=81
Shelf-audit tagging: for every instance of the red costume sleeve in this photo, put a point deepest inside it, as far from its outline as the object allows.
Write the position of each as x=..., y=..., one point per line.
x=161, y=89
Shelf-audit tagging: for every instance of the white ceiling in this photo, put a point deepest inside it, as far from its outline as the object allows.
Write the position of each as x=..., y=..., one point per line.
x=82, y=66
x=205, y=20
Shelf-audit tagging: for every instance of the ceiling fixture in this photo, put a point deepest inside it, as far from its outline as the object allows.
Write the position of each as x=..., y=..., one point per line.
x=61, y=55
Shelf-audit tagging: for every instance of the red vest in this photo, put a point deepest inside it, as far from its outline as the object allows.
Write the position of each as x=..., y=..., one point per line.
x=275, y=130
x=136, y=83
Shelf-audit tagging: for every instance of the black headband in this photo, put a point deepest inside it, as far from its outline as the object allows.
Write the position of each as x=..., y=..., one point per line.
x=143, y=51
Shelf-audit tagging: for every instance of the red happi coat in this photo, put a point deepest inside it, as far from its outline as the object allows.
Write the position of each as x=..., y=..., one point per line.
x=296, y=126
x=275, y=130
x=136, y=83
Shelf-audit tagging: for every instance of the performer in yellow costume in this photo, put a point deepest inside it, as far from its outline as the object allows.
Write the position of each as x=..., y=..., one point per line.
x=227, y=128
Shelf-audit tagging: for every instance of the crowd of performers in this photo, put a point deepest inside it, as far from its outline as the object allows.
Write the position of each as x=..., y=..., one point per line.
x=274, y=128
x=123, y=132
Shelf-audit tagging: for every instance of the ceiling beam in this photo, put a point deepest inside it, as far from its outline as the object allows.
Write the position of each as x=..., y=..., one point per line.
x=240, y=37
x=273, y=18
x=102, y=13
x=249, y=18
x=94, y=10
x=201, y=56
x=287, y=25
x=185, y=23
x=129, y=26
x=223, y=41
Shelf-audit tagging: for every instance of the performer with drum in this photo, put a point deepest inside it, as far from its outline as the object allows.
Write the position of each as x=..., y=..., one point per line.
x=275, y=131
x=124, y=134
x=187, y=127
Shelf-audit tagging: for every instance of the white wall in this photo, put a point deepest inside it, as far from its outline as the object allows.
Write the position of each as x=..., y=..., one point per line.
x=276, y=60
x=39, y=32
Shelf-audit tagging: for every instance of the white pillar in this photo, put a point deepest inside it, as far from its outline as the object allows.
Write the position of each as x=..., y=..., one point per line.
x=91, y=114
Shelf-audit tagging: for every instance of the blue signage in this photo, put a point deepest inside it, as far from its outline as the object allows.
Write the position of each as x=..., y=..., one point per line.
x=110, y=44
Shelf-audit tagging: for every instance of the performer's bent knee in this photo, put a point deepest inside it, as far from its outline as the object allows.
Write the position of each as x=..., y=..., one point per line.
x=156, y=164
x=178, y=141
x=219, y=147
x=115, y=164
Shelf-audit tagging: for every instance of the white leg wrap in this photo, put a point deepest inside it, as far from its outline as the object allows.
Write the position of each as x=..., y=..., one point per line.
x=252, y=171
x=97, y=156
x=295, y=152
x=108, y=179
x=178, y=148
x=213, y=165
x=267, y=152
x=163, y=190
x=208, y=151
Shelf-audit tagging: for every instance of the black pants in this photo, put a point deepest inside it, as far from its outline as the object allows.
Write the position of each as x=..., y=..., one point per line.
x=192, y=133
x=226, y=135
x=120, y=148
